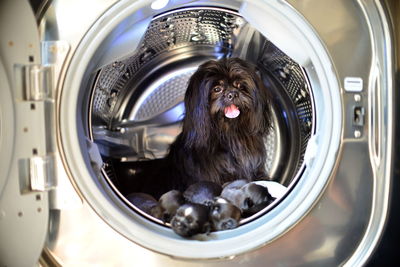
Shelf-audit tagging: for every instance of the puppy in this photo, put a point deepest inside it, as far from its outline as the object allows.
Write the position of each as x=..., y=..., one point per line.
x=224, y=215
x=256, y=198
x=276, y=189
x=237, y=184
x=227, y=116
x=202, y=192
x=146, y=203
x=191, y=219
x=250, y=198
x=170, y=202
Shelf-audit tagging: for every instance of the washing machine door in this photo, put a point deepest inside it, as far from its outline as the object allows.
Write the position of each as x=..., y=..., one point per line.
x=25, y=130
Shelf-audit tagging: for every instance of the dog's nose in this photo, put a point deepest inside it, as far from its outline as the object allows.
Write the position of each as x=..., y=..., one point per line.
x=231, y=95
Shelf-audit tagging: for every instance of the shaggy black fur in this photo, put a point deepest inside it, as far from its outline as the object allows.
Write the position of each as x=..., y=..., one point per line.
x=214, y=145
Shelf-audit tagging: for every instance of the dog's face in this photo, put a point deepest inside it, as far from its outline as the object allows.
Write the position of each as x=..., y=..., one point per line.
x=191, y=219
x=231, y=96
x=225, y=96
x=254, y=198
x=224, y=215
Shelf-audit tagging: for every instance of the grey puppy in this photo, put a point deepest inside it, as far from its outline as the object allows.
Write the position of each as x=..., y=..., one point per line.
x=146, y=203
x=237, y=184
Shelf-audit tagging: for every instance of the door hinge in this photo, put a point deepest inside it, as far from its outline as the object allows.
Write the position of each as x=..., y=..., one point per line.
x=37, y=174
x=36, y=127
x=35, y=82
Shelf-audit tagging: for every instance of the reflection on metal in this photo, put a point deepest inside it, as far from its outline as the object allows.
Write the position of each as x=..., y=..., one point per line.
x=54, y=54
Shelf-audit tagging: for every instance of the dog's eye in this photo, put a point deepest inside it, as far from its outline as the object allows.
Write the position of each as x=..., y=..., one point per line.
x=217, y=89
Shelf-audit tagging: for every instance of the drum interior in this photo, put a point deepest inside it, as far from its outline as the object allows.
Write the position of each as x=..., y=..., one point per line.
x=137, y=101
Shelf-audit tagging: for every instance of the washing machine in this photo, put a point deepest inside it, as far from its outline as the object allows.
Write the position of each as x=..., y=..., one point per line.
x=91, y=89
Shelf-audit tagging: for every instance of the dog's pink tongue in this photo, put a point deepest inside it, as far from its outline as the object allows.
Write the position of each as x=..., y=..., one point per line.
x=232, y=111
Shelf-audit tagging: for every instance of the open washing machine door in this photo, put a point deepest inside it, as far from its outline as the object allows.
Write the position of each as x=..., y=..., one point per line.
x=26, y=137
x=120, y=71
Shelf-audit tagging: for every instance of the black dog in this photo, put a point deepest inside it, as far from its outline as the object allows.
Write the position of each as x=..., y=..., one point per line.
x=227, y=117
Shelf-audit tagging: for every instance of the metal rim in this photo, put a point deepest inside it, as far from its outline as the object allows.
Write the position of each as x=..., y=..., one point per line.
x=251, y=235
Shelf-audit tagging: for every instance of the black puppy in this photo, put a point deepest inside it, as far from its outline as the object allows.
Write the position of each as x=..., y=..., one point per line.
x=202, y=193
x=191, y=219
x=256, y=198
x=227, y=116
x=170, y=202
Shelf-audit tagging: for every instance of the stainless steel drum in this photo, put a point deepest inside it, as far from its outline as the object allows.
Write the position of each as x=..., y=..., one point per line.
x=136, y=103
x=97, y=83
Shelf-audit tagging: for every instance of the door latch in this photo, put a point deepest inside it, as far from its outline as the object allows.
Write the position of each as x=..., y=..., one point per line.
x=358, y=116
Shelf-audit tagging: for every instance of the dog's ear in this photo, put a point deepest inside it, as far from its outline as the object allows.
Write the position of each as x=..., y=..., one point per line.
x=197, y=117
x=263, y=113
